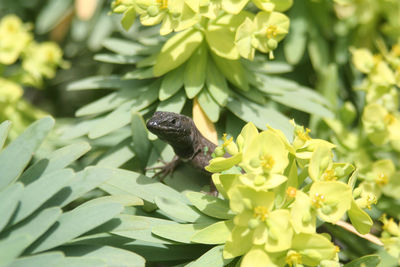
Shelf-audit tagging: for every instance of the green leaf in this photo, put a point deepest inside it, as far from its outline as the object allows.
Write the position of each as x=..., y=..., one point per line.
x=233, y=71
x=80, y=184
x=221, y=40
x=111, y=101
x=177, y=50
x=51, y=15
x=55, y=161
x=117, y=58
x=103, y=82
x=208, y=105
x=81, y=262
x=36, y=193
x=102, y=29
x=260, y=115
x=122, y=116
x=110, y=255
x=4, y=128
x=174, y=103
x=304, y=100
x=76, y=222
x=217, y=233
x=318, y=49
x=147, y=61
x=12, y=248
x=171, y=83
x=221, y=164
x=210, y=205
x=181, y=233
x=79, y=129
x=359, y=219
x=36, y=225
x=195, y=71
x=15, y=157
x=216, y=84
x=254, y=95
x=139, y=227
x=365, y=261
x=234, y=7
x=179, y=210
x=295, y=41
x=134, y=183
x=40, y=260
x=213, y=257
x=267, y=67
x=141, y=144
x=140, y=74
x=9, y=199
x=128, y=18
x=123, y=47
x=118, y=155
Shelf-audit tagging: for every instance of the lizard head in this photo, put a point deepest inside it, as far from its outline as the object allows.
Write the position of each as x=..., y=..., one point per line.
x=169, y=126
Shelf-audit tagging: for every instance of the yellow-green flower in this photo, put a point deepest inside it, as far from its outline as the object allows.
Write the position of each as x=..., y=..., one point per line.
x=265, y=155
x=262, y=33
x=380, y=125
x=14, y=37
x=175, y=15
x=41, y=60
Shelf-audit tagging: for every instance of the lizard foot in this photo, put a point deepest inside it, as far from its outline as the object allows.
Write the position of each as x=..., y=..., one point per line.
x=167, y=169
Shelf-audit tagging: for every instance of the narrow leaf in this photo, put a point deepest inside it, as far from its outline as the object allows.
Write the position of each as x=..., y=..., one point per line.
x=139, y=185
x=141, y=144
x=55, y=161
x=208, y=105
x=233, y=71
x=210, y=205
x=40, y=260
x=195, y=71
x=178, y=232
x=180, y=210
x=171, y=83
x=4, y=127
x=139, y=227
x=177, y=50
x=76, y=222
x=213, y=257
x=15, y=157
x=217, y=233
x=216, y=84
x=9, y=199
x=37, y=224
x=36, y=193
x=174, y=103
x=12, y=248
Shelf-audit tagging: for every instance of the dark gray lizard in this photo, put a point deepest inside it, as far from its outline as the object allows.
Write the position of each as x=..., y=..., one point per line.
x=188, y=143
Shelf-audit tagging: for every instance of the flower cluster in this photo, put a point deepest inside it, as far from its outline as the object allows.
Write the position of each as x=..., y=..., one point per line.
x=229, y=30
x=31, y=62
x=391, y=236
x=277, y=190
x=381, y=119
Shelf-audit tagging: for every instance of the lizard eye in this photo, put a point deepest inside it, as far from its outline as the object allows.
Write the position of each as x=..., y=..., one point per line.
x=173, y=121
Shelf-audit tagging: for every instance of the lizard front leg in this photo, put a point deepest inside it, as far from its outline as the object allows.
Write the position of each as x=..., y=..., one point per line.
x=166, y=169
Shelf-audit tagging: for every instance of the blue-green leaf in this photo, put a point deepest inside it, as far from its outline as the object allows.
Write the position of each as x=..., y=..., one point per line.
x=171, y=83
x=9, y=199
x=195, y=72
x=76, y=222
x=141, y=144
x=15, y=157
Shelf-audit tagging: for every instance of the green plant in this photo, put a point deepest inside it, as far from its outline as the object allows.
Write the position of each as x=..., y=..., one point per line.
x=23, y=62
x=40, y=210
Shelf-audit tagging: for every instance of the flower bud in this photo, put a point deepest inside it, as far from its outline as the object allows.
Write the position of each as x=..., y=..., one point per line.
x=153, y=11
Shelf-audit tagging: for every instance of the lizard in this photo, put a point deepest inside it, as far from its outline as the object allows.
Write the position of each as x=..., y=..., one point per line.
x=188, y=143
